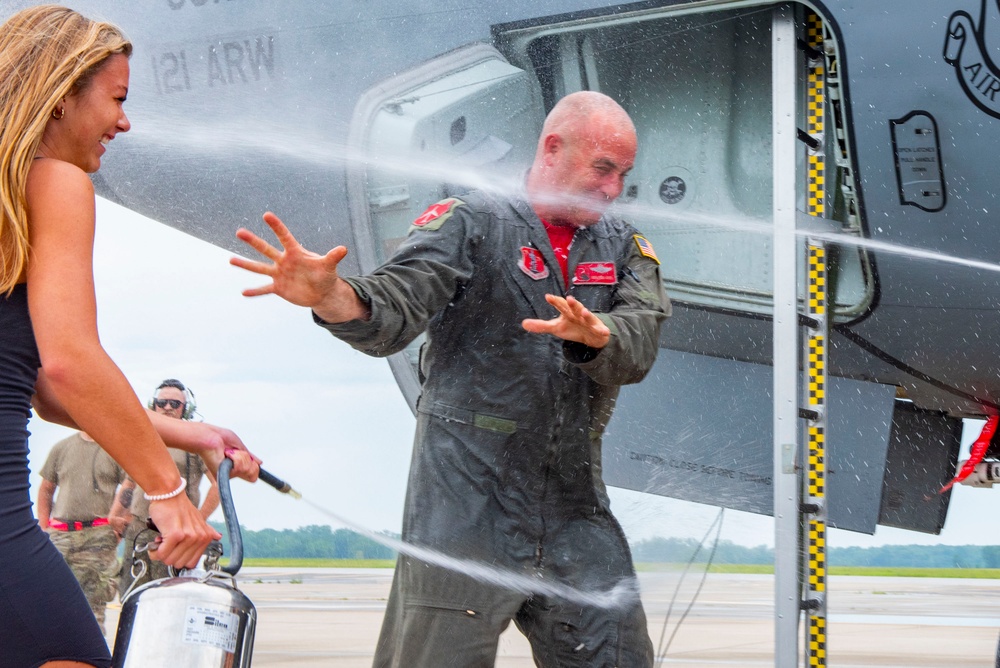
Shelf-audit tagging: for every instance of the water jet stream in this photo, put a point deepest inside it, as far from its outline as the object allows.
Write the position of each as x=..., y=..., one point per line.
x=620, y=595
x=237, y=138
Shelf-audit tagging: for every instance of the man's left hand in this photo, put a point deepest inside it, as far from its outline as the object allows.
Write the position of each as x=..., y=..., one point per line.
x=574, y=323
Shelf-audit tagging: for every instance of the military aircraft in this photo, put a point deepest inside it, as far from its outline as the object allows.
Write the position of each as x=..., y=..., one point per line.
x=349, y=118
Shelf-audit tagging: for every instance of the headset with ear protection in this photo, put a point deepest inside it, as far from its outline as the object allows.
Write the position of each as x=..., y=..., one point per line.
x=190, y=404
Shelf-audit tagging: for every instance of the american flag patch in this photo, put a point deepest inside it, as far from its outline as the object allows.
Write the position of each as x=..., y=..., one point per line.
x=645, y=247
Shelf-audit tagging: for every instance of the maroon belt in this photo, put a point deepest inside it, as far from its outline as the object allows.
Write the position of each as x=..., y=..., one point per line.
x=59, y=525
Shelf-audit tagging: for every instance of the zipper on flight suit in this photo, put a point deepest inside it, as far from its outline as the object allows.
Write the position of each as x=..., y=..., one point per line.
x=553, y=445
x=552, y=449
x=561, y=397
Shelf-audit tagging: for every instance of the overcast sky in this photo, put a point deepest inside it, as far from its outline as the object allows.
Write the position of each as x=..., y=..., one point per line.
x=325, y=418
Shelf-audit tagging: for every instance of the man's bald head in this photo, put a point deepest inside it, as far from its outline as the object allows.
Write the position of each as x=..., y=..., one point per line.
x=588, y=144
x=578, y=111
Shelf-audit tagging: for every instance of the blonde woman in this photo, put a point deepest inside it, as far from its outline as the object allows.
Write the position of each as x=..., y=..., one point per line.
x=63, y=81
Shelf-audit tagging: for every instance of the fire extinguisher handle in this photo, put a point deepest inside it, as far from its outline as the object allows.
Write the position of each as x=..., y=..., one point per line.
x=232, y=522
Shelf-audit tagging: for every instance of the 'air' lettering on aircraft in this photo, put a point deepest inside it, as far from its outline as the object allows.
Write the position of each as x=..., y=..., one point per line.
x=983, y=80
x=968, y=50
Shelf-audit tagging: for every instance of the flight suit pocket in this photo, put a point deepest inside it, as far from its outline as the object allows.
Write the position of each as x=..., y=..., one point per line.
x=465, y=416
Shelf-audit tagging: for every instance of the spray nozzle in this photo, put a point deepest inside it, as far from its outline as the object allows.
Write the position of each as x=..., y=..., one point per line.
x=278, y=484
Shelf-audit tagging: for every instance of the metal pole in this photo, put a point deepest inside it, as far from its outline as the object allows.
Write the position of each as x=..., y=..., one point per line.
x=787, y=553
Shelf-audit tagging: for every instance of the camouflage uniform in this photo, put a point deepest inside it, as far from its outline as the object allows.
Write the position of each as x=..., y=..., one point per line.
x=192, y=468
x=86, y=478
x=92, y=555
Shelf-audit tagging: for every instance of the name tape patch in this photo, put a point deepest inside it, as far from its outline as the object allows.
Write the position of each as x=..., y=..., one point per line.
x=595, y=273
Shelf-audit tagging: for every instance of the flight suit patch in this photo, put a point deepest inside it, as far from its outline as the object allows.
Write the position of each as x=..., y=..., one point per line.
x=533, y=263
x=645, y=248
x=595, y=273
x=436, y=214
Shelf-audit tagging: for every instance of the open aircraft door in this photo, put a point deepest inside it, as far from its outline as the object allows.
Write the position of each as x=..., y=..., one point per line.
x=465, y=119
x=698, y=82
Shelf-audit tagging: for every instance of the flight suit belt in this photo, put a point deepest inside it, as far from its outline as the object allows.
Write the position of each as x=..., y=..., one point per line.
x=60, y=525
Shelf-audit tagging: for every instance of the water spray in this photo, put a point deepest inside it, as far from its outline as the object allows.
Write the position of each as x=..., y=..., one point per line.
x=276, y=140
x=526, y=584
x=619, y=595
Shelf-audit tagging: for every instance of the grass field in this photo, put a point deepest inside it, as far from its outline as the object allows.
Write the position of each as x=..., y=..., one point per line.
x=873, y=571
x=320, y=563
x=975, y=573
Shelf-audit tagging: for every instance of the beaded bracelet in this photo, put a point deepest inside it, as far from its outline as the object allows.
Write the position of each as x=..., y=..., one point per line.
x=168, y=495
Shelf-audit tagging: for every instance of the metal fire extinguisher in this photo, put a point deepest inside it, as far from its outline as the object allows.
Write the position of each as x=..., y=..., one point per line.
x=196, y=620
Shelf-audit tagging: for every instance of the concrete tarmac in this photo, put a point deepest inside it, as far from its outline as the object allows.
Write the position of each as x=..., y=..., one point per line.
x=329, y=617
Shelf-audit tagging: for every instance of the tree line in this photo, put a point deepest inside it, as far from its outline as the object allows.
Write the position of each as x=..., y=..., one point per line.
x=681, y=550
x=322, y=542
x=309, y=542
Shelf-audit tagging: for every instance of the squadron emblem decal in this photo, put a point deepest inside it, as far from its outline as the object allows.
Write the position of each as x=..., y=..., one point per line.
x=967, y=48
x=673, y=189
x=532, y=263
x=436, y=214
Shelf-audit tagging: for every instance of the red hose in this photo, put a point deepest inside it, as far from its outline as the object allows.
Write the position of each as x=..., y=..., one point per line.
x=976, y=452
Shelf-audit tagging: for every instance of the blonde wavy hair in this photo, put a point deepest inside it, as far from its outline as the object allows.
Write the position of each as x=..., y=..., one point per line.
x=46, y=53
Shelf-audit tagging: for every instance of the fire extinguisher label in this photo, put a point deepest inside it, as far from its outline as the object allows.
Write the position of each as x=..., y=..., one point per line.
x=211, y=626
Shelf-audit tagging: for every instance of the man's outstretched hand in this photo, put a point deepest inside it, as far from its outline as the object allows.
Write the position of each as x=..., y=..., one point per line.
x=300, y=276
x=574, y=323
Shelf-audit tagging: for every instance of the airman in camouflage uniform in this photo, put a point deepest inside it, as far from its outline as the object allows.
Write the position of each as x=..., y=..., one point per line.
x=77, y=524
x=173, y=399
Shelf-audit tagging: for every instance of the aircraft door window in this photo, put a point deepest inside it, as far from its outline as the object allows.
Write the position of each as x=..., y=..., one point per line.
x=463, y=120
x=450, y=125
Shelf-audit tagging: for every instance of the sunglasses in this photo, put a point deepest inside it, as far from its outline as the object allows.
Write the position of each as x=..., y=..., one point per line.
x=163, y=403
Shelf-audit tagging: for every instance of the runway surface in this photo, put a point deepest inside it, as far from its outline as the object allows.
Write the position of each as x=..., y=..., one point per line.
x=330, y=617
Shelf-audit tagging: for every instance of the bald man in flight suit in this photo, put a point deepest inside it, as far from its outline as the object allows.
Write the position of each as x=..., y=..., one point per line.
x=537, y=307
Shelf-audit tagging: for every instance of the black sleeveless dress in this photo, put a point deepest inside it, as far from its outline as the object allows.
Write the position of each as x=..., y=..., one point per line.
x=44, y=615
